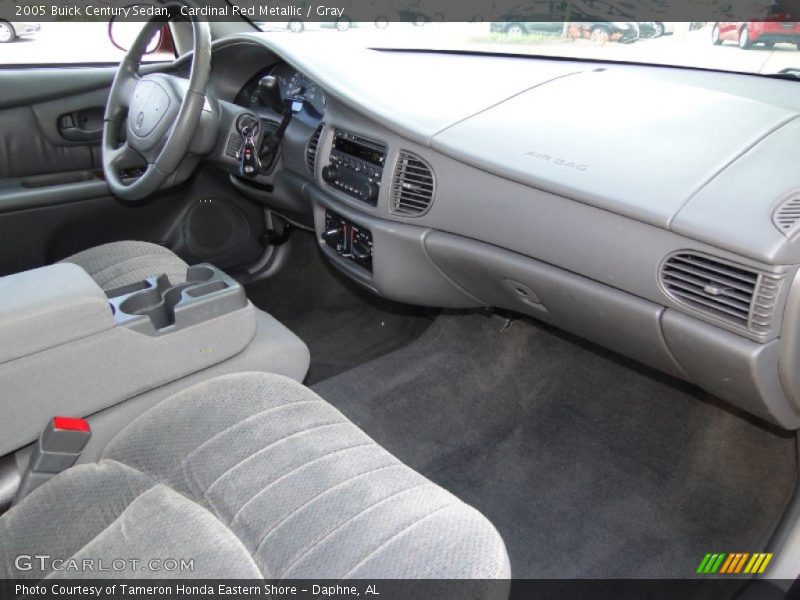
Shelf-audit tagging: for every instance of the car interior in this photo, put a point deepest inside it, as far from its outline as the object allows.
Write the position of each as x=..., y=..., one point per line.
x=397, y=313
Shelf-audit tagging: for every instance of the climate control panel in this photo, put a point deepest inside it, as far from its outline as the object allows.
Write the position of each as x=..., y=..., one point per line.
x=349, y=240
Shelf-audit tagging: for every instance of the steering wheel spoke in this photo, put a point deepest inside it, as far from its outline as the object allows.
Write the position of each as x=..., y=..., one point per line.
x=122, y=157
x=126, y=87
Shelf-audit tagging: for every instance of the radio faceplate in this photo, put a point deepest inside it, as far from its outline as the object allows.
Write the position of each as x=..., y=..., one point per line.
x=355, y=166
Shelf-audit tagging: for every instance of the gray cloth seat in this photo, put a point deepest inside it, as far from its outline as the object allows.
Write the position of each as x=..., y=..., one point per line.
x=253, y=475
x=121, y=263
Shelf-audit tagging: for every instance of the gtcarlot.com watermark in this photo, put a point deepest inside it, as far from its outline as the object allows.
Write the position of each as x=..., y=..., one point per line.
x=87, y=566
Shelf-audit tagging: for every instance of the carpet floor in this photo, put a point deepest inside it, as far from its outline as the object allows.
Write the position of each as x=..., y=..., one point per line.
x=588, y=464
x=342, y=324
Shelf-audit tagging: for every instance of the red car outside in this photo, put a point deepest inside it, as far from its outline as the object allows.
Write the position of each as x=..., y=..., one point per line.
x=776, y=28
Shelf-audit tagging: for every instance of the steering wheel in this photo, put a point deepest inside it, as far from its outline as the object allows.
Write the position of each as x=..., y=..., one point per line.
x=163, y=114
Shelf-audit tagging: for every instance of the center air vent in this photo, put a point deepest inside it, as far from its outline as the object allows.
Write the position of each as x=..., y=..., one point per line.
x=311, y=148
x=732, y=293
x=412, y=186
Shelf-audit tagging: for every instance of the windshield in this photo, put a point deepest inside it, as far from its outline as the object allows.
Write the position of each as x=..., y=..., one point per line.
x=632, y=31
x=761, y=47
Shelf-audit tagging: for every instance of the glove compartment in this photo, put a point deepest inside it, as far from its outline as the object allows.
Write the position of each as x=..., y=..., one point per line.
x=617, y=320
x=734, y=368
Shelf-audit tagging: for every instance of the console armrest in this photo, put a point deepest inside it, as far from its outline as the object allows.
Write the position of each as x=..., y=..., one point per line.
x=48, y=307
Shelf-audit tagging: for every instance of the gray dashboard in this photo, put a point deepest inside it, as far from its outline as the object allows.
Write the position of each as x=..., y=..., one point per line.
x=583, y=194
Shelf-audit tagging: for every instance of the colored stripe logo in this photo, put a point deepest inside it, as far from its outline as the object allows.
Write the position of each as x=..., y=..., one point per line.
x=734, y=563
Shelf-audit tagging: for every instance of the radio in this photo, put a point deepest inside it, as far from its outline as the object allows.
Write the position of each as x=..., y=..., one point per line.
x=356, y=166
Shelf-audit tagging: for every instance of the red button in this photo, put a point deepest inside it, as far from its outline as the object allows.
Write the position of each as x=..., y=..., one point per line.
x=70, y=424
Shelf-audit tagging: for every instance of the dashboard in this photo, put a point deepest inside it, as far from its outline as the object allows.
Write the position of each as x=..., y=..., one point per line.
x=651, y=210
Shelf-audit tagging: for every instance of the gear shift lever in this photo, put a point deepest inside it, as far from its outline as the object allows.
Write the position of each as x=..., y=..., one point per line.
x=269, y=88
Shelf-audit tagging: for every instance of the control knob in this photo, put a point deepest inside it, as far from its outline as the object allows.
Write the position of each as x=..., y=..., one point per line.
x=371, y=191
x=360, y=252
x=329, y=173
x=332, y=235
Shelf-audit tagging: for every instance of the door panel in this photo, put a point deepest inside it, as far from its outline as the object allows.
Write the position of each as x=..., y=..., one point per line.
x=54, y=202
x=36, y=135
x=25, y=149
x=23, y=87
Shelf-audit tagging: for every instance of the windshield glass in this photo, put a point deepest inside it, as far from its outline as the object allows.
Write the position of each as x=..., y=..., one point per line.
x=636, y=31
x=762, y=47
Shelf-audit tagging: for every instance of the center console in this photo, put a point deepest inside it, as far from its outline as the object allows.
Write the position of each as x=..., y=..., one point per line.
x=68, y=347
x=158, y=306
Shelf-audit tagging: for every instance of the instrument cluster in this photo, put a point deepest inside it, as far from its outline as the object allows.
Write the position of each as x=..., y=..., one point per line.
x=297, y=90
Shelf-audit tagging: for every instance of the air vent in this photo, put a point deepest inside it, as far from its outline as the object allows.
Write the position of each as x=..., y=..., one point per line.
x=787, y=216
x=737, y=295
x=311, y=148
x=412, y=186
x=235, y=142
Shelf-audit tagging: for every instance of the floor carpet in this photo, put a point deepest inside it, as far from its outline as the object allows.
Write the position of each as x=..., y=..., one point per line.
x=342, y=324
x=589, y=465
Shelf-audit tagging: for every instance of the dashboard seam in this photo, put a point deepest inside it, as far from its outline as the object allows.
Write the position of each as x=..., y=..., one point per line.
x=496, y=104
x=722, y=169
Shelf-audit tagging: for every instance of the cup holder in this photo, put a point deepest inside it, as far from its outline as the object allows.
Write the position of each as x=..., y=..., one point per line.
x=158, y=302
x=199, y=274
x=205, y=293
x=206, y=289
x=125, y=290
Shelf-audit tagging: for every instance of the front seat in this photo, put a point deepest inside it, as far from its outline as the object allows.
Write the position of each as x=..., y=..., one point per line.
x=251, y=475
x=121, y=263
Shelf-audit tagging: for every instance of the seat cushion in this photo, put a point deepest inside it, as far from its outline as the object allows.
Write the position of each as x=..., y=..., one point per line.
x=121, y=263
x=109, y=511
x=307, y=493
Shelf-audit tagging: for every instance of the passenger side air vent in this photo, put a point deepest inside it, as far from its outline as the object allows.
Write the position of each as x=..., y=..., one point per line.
x=732, y=293
x=787, y=215
x=311, y=148
x=413, y=186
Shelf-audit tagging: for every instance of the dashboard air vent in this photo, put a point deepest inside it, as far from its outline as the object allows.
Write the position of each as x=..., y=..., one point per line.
x=732, y=293
x=787, y=216
x=413, y=186
x=311, y=148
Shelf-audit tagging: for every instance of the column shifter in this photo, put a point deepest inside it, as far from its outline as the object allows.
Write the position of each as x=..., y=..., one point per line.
x=269, y=89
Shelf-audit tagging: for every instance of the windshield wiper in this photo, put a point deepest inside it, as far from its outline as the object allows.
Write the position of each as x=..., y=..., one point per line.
x=791, y=73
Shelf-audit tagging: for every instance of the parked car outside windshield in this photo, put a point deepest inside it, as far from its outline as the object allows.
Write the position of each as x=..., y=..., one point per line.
x=772, y=47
